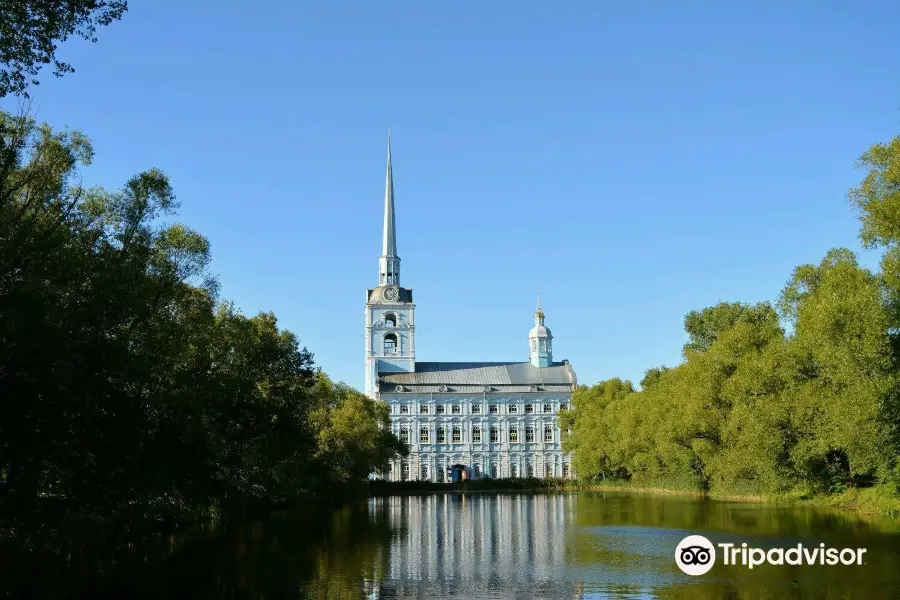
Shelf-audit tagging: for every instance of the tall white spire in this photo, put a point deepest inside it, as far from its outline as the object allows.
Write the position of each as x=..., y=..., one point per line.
x=389, y=247
x=389, y=263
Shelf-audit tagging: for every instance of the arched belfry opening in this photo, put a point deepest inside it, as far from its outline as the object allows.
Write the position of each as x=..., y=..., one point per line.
x=391, y=344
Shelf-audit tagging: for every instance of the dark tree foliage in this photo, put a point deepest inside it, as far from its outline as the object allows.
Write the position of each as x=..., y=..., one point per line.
x=131, y=395
x=31, y=29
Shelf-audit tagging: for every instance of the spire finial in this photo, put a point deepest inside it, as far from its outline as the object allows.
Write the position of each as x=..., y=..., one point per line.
x=539, y=313
x=539, y=339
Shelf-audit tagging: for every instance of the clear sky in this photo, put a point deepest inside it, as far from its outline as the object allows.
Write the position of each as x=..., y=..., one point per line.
x=630, y=160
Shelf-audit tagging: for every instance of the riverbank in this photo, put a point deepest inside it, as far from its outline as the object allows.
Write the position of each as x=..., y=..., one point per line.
x=393, y=488
x=390, y=488
x=876, y=501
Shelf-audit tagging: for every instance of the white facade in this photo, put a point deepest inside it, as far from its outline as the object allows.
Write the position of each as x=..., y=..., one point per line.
x=496, y=434
x=497, y=419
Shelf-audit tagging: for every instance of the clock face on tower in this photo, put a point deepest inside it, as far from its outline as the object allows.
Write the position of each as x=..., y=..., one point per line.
x=390, y=293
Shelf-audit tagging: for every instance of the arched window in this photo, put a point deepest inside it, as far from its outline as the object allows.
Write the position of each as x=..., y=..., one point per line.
x=390, y=320
x=390, y=344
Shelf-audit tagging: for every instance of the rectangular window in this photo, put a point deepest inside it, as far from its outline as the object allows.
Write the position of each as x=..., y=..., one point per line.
x=423, y=435
x=548, y=408
x=494, y=470
x=423, y=410
x=404, y=409
x=565, y=470
x=476, y=435
x=492, y=409
x=548, y=433
x=424, y=472
x=563, y=407
x=439, y=409
x=513, y=471
x=404, y=434
x=476, y=409
x=457, y=434
x=514, y=435
x=404, y=471
x=529, y=434
x=548, y=471
x=512, y=409
x=456, y=409
x=529, y=409
x=495, y=435
x=441, y=435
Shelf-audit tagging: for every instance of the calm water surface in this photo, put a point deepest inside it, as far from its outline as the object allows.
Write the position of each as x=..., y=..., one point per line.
x=588, y=545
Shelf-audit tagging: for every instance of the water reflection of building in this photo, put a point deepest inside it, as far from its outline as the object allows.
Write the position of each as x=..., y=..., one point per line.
x=504, y=546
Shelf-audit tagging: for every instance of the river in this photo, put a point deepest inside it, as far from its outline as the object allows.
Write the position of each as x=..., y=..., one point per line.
x=498, y=546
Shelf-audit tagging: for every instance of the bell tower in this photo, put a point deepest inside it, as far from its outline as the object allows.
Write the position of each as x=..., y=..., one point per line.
x=390, y=312
x=540, y=340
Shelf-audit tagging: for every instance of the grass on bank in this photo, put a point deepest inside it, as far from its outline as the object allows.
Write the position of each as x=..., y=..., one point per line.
x=879, y=500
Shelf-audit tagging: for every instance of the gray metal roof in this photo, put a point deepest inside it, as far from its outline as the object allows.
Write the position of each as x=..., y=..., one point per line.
x=478, y=376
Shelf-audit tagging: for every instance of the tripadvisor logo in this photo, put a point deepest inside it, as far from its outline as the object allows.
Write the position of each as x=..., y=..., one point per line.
x=696, y=555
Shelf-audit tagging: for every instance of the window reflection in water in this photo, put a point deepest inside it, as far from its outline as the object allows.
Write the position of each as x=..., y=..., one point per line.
x=450, y=543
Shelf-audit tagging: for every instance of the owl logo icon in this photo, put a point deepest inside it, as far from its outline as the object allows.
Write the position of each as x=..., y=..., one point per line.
x=695, y=555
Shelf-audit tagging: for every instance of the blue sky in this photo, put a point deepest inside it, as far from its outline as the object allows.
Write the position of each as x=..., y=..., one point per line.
x=632, y=161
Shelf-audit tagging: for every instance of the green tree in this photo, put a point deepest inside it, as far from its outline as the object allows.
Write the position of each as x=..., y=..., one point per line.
x=591, y=436
x=135, y=395
x=653, y=377
x=704, y=326
x=353, y=433
x=31, y=29
x=843, y=372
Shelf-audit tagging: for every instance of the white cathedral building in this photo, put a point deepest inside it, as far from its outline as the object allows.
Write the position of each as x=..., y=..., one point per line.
x=462, y=420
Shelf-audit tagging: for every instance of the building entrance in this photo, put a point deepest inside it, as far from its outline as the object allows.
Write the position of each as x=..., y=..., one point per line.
x=459, y=472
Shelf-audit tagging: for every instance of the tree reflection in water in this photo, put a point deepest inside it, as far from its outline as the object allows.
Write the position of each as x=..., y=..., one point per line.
x=514, y=546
